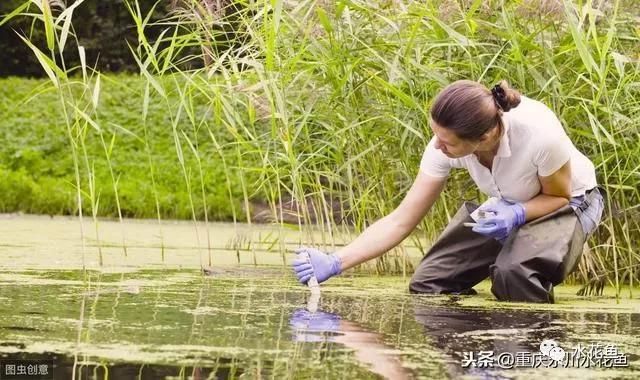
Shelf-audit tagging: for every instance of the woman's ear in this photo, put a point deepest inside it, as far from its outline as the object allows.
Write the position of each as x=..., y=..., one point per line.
x=491, y=134
x=487, y=136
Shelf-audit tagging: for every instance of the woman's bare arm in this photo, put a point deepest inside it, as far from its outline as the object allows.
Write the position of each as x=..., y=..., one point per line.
x=556, y=193
x=389, y=231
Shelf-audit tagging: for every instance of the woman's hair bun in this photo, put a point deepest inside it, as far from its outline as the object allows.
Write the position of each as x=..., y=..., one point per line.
x=506, y=98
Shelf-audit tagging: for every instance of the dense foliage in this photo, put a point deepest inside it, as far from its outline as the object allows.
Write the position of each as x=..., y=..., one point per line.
x=36, y=165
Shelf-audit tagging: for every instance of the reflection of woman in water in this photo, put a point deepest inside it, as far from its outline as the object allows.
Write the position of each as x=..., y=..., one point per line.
x=516, y=151
x=450, y=332
x=453, y=331
x=368, y=347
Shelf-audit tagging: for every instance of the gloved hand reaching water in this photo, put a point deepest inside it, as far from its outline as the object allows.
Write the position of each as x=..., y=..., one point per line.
x=506, y=217
x=320, y=264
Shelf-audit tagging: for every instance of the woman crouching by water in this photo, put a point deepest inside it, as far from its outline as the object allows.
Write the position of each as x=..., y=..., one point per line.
x=545, y=201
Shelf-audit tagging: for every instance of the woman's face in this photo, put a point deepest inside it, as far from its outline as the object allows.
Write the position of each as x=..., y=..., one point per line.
x=450, y=144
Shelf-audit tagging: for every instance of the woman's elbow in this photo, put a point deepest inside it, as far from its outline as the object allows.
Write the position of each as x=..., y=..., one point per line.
x=404, y=224
x=565, y=196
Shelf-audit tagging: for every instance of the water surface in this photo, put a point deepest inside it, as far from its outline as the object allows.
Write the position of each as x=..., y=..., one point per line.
x=137, y=316
x=254, y=322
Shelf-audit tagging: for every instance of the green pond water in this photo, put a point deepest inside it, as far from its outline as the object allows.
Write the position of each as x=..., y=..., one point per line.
x=166, y=320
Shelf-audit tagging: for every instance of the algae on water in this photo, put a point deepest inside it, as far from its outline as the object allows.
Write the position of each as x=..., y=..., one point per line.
x=244, y=323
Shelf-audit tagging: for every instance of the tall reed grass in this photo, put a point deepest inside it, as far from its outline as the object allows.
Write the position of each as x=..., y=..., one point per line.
x=326, y=103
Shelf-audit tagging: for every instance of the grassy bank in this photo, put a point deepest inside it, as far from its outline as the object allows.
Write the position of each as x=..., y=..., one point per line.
x=327, y=104
x=36, y=162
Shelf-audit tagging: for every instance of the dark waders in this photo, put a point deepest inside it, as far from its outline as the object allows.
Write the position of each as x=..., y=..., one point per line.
x=533, y=259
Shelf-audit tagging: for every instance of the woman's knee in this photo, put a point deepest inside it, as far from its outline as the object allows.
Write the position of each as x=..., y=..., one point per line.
x=423, y=281
x=514, y=282
x=428, y=280
x=507, y=271
x=436, y=282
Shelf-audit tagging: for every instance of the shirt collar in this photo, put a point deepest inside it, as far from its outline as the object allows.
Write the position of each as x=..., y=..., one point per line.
x=504, y=150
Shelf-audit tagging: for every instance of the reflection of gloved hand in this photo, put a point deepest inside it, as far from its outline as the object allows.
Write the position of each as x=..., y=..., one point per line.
x=318, y=263
x=506, y=217
x=312, y=327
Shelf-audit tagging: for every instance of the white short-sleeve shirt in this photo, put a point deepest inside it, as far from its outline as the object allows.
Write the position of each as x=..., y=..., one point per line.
x=534, y=144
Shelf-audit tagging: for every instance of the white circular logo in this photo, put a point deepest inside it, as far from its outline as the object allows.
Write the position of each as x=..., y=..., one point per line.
x=556, y=353
x=547, y=345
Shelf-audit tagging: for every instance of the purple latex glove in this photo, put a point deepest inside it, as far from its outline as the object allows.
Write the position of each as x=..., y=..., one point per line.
x=506, y=217
x=322, y=265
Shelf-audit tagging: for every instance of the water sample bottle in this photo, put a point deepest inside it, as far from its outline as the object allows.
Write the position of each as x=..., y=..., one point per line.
x=313, y=281
x=314, y=298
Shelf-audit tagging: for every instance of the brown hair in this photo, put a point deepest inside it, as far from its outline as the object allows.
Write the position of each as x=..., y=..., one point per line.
x=470, y=109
